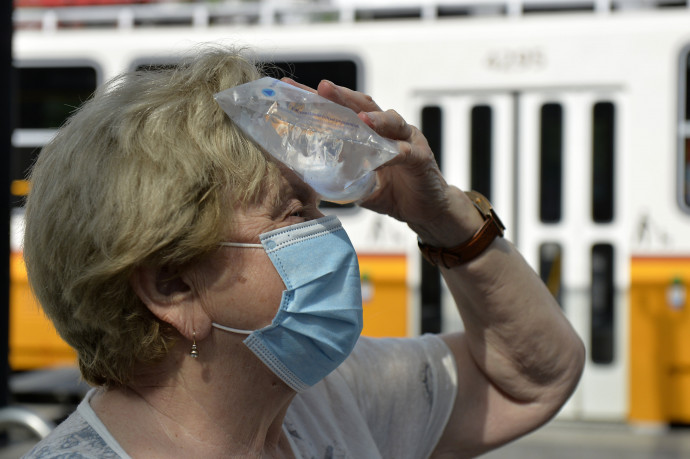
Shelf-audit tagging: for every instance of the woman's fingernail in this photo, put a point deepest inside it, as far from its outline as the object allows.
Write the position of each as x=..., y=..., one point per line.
x=368, y=118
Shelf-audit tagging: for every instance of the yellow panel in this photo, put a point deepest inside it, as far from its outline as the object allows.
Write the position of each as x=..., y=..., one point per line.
x=659, y=340
x=34, y=343
x=657, y=270
x=384, y=294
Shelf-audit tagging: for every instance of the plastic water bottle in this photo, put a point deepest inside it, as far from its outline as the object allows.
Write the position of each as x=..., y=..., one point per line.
x=326, y=144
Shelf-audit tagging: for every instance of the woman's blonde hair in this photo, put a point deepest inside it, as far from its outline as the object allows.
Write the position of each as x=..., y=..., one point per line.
x=145, y=172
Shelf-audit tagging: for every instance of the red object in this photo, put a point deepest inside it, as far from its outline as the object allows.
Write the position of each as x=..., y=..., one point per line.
x=60, y=3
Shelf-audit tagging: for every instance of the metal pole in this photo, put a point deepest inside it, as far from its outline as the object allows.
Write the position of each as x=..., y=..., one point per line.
x=6, y=124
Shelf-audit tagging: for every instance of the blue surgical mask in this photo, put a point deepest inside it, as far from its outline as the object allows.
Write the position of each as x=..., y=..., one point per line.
x=320, y=314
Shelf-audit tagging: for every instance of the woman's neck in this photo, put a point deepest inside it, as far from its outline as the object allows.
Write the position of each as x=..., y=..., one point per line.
x=213, y=406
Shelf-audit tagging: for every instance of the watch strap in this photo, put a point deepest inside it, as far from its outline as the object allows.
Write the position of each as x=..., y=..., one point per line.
x=473, y=247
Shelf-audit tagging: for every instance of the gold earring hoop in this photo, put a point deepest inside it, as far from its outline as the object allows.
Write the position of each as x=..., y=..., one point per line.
x=194, y=353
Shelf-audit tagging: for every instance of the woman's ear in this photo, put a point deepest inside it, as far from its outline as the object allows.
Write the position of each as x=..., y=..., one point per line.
x=171, y=298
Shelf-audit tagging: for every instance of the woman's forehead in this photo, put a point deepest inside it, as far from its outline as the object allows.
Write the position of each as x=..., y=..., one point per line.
x=297, y=186
x=279, y=189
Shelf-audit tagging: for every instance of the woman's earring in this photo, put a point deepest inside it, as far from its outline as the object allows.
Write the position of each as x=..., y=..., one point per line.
x=194, y=352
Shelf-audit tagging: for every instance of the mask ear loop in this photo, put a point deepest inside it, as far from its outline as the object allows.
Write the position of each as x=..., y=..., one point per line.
x=232, y=330
x=245, y=245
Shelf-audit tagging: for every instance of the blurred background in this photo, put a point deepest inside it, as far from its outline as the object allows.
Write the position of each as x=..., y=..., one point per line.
x=572, y=117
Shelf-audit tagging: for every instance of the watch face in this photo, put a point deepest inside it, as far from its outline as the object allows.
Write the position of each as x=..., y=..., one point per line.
x=484, y=207
x=480, y=202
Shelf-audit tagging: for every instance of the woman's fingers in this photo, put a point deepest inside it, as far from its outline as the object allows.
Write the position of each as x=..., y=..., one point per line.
x=388, y=124
x=412, y=145
x=297, y=85
x=411, y=187
x=353, y=100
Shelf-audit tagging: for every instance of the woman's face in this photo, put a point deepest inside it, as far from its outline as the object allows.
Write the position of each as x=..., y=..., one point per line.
x=241, y=287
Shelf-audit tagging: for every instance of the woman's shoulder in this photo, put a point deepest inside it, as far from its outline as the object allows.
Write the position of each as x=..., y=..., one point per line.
x=76, y=437
x=373, y=351
x=376, y=363
x=383, y=384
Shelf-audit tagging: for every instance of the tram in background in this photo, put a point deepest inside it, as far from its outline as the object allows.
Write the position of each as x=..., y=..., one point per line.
x=575, y=123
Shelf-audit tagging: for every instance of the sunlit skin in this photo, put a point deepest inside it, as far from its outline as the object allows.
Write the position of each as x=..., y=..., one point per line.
x=249, y=281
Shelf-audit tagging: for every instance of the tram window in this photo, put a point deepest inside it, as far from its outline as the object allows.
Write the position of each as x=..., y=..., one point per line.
x=430, y=298
x=22, y=160
x=603, y=162
x=684, y=131
x=308, y=72
x=481, y=149
x=551, y=155
x=49, y=95
x=153, y=67
x=432, y=126
x=686, y=155
x=550, y=267
x=686, y=77
x=341, y=72
x=602, y=298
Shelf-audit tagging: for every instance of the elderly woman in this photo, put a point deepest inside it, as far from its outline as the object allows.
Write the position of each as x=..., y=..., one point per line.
x=216, y=310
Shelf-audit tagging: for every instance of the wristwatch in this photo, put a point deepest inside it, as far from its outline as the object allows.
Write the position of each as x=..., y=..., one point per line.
x=472, y=248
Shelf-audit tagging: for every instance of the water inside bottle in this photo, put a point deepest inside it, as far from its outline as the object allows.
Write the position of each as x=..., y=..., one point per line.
x=326, y=144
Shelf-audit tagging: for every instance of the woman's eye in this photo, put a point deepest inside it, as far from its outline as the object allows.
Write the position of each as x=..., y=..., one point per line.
x=298, y=212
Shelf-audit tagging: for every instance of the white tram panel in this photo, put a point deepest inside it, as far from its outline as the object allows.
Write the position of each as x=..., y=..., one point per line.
x=456, y=107
x=514, y=66
x=602, y=391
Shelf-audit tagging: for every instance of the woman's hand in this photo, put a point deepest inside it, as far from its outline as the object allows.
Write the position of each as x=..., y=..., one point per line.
x=410, y=186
